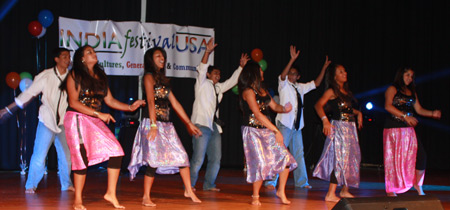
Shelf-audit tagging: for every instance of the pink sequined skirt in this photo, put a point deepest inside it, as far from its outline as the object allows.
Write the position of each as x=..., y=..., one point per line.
x=265, y=157
x=99, y=142
x=341, y=153
x=400, y=150
x=165, y=152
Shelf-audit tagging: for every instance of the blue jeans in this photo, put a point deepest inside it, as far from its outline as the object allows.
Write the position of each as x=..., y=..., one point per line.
x=44, y=139
x=210, y=143
x=294, y=141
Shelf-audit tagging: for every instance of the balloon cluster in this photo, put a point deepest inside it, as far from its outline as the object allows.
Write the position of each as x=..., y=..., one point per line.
x=37, y=28
x=22, y=80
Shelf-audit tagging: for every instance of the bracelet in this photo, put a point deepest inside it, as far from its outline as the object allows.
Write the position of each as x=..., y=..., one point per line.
x=9, y=111
x=404, y=116
x=323, y=118
x=276, y=131
x=129, y=107
x=96, y=113
x=153, y=125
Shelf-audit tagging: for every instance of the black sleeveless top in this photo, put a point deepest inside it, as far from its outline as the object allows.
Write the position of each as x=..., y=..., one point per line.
x=405, y=104
x=91, y=99
x=162, y=103
x=338, y=109
x=249, y=118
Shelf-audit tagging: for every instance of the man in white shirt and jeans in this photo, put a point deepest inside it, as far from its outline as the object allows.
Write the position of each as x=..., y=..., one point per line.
x=290, y=124
x=205, y=115
x=51, y=118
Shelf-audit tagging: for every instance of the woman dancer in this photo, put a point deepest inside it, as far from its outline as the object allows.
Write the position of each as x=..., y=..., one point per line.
x=90, y=140
x=401, y=146
x=156, y=144
x=341, y=156
x=265, y=153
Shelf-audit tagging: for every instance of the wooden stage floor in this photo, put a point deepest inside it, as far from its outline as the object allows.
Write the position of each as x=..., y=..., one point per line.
x=167, y=192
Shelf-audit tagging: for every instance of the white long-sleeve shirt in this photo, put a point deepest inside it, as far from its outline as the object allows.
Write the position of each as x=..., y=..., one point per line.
x=205, y=96
x=47, y=83
x=287, y=94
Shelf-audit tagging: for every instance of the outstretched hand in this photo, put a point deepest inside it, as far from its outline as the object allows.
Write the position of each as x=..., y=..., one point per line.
x=436, y=114
x=210, y=45
x=244, y=59
x=136, y=105
x=327, y=62
x=287, y=107
x=294, y=52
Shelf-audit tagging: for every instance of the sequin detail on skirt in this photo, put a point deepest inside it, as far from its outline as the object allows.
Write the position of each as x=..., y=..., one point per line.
x=400, y=150
x=341, y=153
x=265, y=157
x=165, y=152
x=99, y=142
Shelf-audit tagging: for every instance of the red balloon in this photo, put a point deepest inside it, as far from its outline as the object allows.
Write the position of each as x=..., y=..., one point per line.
x=35, y=28
x=257, y=55
x=13, y=80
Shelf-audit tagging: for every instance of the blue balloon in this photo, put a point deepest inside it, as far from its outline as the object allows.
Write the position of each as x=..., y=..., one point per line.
x=45, y=17
x=25, y=83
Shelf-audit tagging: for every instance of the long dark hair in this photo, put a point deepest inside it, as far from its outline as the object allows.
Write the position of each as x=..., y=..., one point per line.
x=399, y=83
x=150, y=66
x=250, y=77
x=81, y=76
x=331, y=83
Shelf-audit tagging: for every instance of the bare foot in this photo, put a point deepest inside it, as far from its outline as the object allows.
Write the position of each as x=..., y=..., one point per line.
x=283, y=198
x=192, y=196
x=72, y=189
x=79, y=207
x=419, y=189
x=148, y=202
x=255, y=200
x=391, y=194
x=270, y=187
x=346, y=195
x=30, y=191
x=332, y=198
x=113, y=200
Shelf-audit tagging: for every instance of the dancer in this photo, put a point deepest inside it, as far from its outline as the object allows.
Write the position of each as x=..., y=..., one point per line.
x=264, y=149
x=90, y=140
x=157, y=144
x=401, y=146
x=290, y=124
x=50, y=129
x=205, y=115
x=339, y=163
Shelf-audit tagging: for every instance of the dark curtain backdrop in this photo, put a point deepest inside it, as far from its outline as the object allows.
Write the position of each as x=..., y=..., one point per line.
x=372, y=39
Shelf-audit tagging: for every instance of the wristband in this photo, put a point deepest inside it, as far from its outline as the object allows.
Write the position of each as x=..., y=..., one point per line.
x=9, y=111
x=129, y=107
x=404, y=116
x=323, y=118
x=96, y=113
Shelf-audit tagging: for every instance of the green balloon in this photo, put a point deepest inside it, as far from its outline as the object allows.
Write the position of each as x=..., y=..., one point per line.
x=235, y=90
x=25, y=74
x=263, y=64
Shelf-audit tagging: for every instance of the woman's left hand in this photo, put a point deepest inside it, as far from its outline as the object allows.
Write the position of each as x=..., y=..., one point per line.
x=136, y=105
x=436, y=114
x=360, y=120
x=193, y=130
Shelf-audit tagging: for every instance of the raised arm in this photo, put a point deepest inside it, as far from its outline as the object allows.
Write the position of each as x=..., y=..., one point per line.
x=232, y=81
x=321, y=112
x=389, y=97
x=436, y=114
x=319, y=78
x=192, y=129
x=249, y=96
x=294, y=55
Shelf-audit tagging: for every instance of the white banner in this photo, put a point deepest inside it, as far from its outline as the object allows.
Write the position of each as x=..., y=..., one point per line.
x=120, y=46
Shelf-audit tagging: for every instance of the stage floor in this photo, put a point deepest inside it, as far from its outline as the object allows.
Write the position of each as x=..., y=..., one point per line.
x=167, y=192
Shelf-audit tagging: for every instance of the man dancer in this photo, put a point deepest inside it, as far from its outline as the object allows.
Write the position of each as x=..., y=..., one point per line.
x=205, y=114
x=290, y=124
x=51, y=117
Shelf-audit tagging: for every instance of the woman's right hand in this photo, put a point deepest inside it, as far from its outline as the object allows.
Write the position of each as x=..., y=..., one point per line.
x=106, y=117
x=151, y=135
x=326, y=127
x=411, y=121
